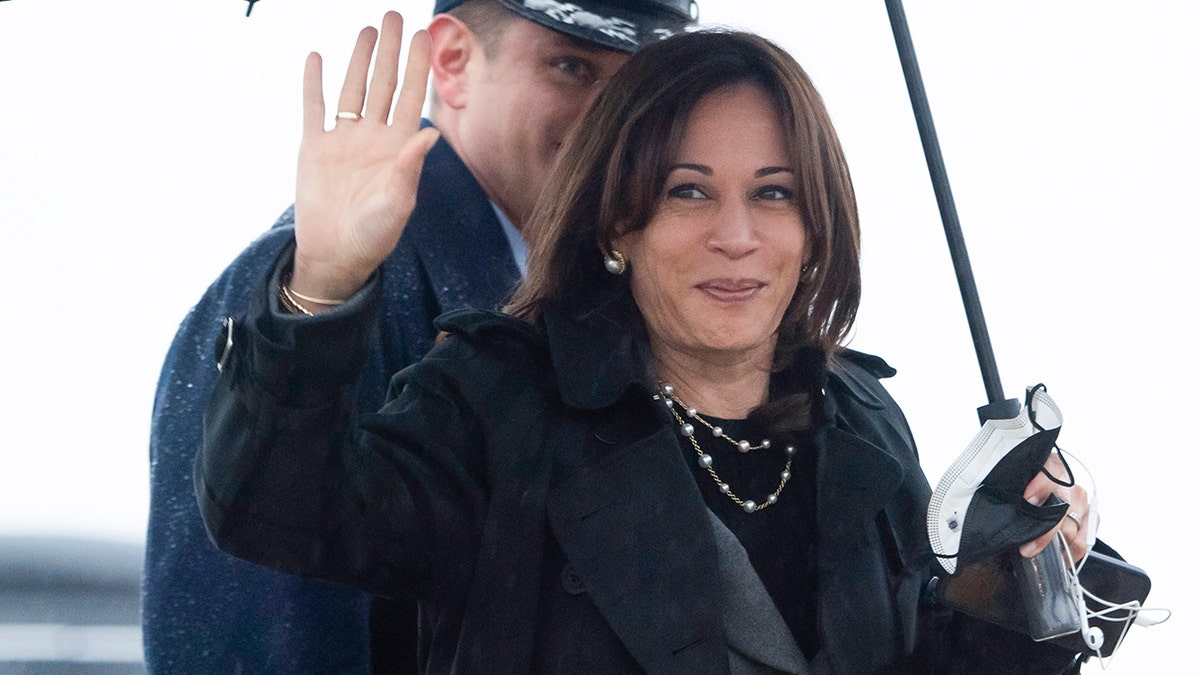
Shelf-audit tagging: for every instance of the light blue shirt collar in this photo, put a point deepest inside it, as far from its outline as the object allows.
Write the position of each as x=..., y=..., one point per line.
x=520, y=249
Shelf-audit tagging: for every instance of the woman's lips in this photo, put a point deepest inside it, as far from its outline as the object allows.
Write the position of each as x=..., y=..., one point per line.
x=731, y=290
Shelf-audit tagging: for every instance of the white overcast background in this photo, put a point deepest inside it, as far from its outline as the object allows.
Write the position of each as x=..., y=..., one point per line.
x=144, y=143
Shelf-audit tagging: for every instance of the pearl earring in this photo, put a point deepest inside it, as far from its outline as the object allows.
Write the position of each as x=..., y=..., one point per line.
x=614, y=262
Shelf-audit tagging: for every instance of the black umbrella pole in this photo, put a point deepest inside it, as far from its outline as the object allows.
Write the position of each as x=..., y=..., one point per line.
x=998, y=406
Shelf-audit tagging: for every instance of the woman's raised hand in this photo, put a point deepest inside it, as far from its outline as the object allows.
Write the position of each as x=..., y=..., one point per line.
x=357, y=183
x=1074, y=525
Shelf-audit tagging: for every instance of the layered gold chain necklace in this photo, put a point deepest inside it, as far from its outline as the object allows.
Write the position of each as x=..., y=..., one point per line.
x=666, y=393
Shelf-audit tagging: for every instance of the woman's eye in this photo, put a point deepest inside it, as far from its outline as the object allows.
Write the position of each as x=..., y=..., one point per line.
x=774, y=193
x=686, y=191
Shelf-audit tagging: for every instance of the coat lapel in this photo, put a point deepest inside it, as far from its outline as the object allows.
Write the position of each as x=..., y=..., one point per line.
x=854, y=480
x=860, y=630
x=635, y=528
x=758, y=637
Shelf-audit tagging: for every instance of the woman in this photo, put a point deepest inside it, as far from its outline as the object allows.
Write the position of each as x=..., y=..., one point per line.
x=659, y=458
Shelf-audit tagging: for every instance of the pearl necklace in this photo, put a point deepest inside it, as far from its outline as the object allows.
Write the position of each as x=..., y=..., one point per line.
x=667, y=395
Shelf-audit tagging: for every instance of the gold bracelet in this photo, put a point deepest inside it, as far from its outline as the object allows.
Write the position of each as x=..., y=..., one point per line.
x=288, y=298
x=315, y=301
x=289, y=303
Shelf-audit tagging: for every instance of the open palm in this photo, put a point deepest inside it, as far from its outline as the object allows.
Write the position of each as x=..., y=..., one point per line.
x=356, y=184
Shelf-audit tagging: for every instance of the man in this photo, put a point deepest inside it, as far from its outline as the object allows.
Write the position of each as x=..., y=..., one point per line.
x=510, y=78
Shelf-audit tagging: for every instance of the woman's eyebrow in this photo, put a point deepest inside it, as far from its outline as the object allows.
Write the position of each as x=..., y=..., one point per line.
x=768, y=170
x=700, y=168
x=707, y=170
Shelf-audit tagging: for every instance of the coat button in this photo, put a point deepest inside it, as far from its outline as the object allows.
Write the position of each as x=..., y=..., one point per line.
x=571, y=581
x=931, y=589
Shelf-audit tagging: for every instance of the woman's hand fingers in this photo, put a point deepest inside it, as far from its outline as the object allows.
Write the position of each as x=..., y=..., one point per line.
x=387, y=60
x=314, y=97
x=354, y=88
x=407, y=175
x=411, y=100
x=1074, y=528
x=1041, y=487
x=1079, y=518
x=1074, y=525
x=356, y=185
x=407, y=116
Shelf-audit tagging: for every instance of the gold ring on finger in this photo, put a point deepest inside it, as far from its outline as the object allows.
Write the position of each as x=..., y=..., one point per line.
x=348, y=115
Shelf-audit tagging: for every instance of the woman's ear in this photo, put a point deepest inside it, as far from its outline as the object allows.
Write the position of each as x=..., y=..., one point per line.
x=453, y=45
x=806, y=258
x=618, y=253
x=620, y=238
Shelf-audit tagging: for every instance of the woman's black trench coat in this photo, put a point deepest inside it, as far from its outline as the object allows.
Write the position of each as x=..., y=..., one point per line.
x=522, y=485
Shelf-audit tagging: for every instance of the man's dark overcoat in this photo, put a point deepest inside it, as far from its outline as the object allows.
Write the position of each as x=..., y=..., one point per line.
x=523, y=485
x=205, y=611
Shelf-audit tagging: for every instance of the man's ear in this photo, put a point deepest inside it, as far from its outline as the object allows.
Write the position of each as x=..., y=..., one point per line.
x=453, y=46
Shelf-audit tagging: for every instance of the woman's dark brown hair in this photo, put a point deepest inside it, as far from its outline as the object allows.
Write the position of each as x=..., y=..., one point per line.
x=610, y=178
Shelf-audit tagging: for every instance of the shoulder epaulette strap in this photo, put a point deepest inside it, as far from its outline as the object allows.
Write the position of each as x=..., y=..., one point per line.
x=874, y=365
x=856, y=375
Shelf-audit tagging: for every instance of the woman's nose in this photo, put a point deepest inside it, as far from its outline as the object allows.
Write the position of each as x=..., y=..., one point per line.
x=733, y=232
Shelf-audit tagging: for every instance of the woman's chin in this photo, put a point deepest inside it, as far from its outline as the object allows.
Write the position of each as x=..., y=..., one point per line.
x=738, y=345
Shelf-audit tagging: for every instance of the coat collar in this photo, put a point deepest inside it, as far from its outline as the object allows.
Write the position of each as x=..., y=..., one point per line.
x=596, y=362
